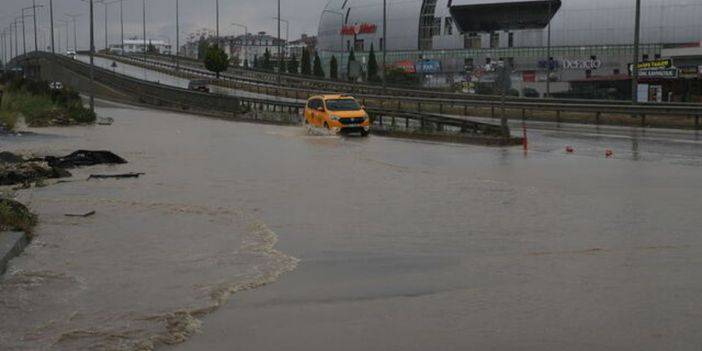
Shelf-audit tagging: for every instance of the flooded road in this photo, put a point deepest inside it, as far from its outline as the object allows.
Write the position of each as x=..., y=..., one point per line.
x=403, y=245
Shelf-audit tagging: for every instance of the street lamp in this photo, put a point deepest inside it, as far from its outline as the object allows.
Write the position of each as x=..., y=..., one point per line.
x=34, y=10
x=65, y=23
x=75, y=31
x=287, y=32
x=177, y=62
x=279, y=47
x=51, y=16
x=635, y=66
x=246, y=41
x=385, y=39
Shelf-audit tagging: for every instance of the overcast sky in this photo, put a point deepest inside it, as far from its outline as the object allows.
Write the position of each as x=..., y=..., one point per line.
x=160, y=18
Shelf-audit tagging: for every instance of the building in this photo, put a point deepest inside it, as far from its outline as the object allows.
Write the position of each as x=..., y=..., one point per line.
x=248, y=46
x=133, y=46
x=306, y=42
x=591, y=40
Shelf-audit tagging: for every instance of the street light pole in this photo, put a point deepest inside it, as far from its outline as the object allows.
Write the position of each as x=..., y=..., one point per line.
x=279, y=46
x=121, y=21
x=75, y=31
x=177, y=62
x=385, y=40
x=341, y=33
x=34, y=10
x=92, y=59
x=143, y=12
x=217, y=21
x=635, y=66
x=51, y=15
x=548, y=53
x=24, y=32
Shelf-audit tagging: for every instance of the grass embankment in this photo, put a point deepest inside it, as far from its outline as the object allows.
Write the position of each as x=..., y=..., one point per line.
x=40, y=105
x=15, y=216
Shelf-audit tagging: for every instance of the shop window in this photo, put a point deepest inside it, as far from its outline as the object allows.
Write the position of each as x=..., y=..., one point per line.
x=448, y=26
x=494, y=40
x=588, y=73
x=616, y=71
x=645, y=57
x=468, y=64
x=657, y=56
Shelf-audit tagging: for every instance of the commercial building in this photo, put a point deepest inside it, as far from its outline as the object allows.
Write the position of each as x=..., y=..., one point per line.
x=591, y=42
x=250, y=46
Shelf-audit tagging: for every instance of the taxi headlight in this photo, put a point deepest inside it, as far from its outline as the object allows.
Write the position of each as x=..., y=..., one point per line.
x=334, y=118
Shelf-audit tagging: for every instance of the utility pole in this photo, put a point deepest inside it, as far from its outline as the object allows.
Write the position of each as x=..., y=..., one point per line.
x=121, y=21
x=548, y=51
x=24, y=32
x=51, y=15
x=65, y=23
x=385, y=40
x=16, y=38
x=635, y=66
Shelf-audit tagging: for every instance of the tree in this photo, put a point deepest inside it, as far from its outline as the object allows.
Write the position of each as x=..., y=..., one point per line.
x=256, y=64
x=352, y=58
x=333, y=68
x=151, y=49
x=281, y=65
x=293, y=65
x=372, y=66
x=202, y=46
x=267, y=64
x=246, y=63
x=305, y=68
x=318, y=70
x=216, y=60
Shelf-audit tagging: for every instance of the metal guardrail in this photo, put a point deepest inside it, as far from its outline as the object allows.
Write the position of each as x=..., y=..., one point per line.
x=168, y=95
x=366, y=88
x=598, y=108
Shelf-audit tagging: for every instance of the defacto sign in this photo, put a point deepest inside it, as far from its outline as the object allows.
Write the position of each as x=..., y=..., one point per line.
x=581, y=64
x=667, y=73
x=363, y=28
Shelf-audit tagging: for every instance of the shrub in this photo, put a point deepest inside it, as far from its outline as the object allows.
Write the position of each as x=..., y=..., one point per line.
x=15, y=216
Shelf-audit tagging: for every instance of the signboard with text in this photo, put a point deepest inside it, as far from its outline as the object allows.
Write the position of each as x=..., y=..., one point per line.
x=362, y=28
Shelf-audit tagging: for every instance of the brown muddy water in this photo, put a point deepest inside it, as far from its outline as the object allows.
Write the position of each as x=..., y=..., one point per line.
x=403, y=245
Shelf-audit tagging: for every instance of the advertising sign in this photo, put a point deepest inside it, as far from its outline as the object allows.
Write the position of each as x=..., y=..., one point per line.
x=656, y=64
x=582, y=64
x=668, y=73
x=362, y=28
x=428, y=66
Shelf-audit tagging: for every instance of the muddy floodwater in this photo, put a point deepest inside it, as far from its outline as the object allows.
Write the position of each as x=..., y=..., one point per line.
x=383, y=244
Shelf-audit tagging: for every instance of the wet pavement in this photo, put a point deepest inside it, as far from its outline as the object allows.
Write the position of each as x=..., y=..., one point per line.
x=403, y=245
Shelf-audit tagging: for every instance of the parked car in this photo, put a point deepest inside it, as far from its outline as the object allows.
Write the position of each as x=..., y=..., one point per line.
x=55, y=85
x=71, y=54
x=338, y=113
x=199, y=85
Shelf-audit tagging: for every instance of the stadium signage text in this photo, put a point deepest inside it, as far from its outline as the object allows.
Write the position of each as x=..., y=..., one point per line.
x=363, y=28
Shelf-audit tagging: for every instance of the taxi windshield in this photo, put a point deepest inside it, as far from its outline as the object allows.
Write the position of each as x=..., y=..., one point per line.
x=343, y=105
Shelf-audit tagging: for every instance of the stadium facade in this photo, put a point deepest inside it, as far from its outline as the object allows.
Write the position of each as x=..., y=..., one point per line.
x=591, y=43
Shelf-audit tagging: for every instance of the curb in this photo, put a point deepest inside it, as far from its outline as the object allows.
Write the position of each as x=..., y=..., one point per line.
x=11, y=245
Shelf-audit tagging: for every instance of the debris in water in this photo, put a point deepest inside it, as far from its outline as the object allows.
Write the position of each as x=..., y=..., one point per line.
x=84, y=158
x=88, y=214
x=118, y=176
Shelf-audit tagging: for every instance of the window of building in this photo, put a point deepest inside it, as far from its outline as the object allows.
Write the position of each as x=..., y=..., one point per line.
x=468, y=64
x=448, y=26
x=471, y=41
x=657, y=56
x=494, y=40
x=645, y=57
x=616, y=71
x=510, y=40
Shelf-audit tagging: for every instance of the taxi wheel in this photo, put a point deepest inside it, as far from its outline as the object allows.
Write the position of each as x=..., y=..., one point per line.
x=326, y=125
x=364, y=133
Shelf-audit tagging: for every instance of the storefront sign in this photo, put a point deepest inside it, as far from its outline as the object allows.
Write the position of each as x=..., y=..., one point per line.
x=428, y=66
x=407, y=66
x=689, y=72
x=656, y=64
x=363, y=28
x=668, y=73
x=581, y=64
x=529, y=76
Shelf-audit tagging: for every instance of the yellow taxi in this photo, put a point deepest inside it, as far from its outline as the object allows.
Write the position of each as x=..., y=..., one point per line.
x=338, y=113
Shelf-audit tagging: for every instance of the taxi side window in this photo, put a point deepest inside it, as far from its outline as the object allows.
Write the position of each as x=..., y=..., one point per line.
x=315, y=104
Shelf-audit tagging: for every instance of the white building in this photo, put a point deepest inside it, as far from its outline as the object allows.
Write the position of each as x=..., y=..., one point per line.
x=246, y=47
x=134, y=46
